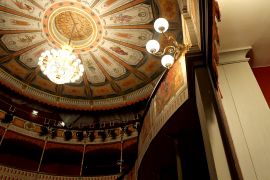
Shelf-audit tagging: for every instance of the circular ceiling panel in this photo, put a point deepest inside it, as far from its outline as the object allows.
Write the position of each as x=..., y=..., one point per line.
x=65, y=22
x=108, y=36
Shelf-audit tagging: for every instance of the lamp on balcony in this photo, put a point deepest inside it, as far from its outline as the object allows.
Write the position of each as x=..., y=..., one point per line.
x=172, y=51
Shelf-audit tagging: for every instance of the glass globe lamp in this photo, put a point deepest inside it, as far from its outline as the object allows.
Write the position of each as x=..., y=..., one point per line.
x=152, y=46
x=161, y=25
x=167, y=61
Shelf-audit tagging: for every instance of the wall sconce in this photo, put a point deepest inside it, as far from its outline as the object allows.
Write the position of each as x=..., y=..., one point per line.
x=172, y=51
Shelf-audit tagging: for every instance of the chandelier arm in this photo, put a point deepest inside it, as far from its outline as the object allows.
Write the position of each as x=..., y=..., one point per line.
x=178, y=46
x=181, y=51
x=170, y=49
x=74, y=25
x=159, y=53
x=171, y=39
x=167, y=37
x=167, y=49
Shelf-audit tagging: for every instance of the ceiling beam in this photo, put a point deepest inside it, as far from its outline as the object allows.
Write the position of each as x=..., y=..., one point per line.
x=36, y=4
x=12, y=11
x=87, y=87
x=126, y=6
x=18, y=53
x=59, y=89
x=173, y=26
x=4, y=47
x=135, y=71
x=94, y=3
x=142, y=49
x=142, y=26
x=114, y=86
x=17, y=31
x=31, y=76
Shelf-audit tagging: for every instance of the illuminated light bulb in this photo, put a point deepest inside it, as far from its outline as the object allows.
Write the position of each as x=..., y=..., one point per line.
x=161, y=25
x=60, y=66
x=152, y=46
x=167, y=61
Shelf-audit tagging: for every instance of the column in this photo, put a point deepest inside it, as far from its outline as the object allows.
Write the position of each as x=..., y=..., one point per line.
x=247, y=114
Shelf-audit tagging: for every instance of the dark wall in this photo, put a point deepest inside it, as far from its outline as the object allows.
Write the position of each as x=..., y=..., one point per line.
x=20, y=154
x=159, y=161
x=61, y=162
x=262, y=75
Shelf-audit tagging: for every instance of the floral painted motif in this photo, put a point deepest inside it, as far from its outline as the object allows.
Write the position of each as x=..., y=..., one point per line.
x=126, y=54
x=124, y=35
x=105, y=6
x=93, y=73
x=118, y=50
x=30, y=58
x=112, y=67
x=139, y=14
x=19, y=23
x=109, y=3
x=20, y=4
x=137, y=37
x=14, y=22
x=121, y=18
x=19, y=41
x=26, y=39
x=106, y=60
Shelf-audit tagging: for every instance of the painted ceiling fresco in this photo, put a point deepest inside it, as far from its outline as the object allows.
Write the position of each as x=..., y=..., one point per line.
x=109, y=38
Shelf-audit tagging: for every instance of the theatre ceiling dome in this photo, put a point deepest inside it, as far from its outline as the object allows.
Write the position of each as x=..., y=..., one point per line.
x=109, y=38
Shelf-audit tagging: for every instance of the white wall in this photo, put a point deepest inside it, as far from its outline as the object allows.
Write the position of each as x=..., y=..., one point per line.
x=215, y=153
x=248, y=115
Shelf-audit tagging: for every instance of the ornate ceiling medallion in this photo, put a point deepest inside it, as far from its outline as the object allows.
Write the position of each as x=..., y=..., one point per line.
x=58, y=22
x=65, y=21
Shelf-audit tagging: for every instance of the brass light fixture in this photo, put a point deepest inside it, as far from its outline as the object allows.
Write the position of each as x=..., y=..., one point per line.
x=172, y=51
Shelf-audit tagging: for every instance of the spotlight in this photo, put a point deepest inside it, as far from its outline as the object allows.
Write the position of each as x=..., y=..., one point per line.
x=137, y=116
x=8, y=118
x=103, y=135
x=91, y=136
x=53, y=133
x=43, y=131
x=79, y=135
x=128, y=130
x=34, y=112
x=62, y=124
x=136, y=126
x=68, y=135
x=113, y=133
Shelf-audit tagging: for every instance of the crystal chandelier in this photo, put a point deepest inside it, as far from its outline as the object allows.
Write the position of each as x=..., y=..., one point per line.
x=61, y=65
x=172, y=51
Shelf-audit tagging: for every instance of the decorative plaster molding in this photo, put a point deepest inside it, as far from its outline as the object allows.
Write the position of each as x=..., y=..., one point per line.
x=11, y=173
x=191, y=23
x=78, y=104
x=234, y=56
